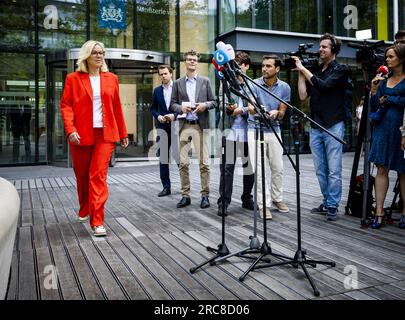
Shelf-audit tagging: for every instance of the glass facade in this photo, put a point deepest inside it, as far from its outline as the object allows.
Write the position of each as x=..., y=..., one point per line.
x=341, y=18
x=35, y=35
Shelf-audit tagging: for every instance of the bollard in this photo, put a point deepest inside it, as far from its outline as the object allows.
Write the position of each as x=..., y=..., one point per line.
x=9, y=210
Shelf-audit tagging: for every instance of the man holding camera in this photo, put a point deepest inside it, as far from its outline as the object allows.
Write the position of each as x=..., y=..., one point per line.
x=326, y=89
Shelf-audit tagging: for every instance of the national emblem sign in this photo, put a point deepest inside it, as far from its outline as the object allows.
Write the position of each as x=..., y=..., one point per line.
x=112, y=14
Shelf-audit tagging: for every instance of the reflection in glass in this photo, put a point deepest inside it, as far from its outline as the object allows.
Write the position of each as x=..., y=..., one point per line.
x=227, y=16
x=17, y=105
x=313, y=16
x=136, y=98
x=62, y=24
x=17, y=24
x=197, y=25
x=155, y=25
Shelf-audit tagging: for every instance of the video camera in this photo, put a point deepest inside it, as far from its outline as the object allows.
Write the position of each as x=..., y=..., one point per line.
x=310, y=60
x=370, y=55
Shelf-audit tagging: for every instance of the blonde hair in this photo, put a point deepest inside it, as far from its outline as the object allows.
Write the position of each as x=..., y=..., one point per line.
x=85, y=53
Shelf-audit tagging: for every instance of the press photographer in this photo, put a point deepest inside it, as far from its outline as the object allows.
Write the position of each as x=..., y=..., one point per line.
x=326, y=89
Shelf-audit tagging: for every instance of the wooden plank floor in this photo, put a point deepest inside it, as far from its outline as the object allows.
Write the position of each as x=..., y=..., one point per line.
x=151, y=245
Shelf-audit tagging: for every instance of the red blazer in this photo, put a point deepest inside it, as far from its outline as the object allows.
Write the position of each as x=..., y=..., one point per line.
x=77, y=107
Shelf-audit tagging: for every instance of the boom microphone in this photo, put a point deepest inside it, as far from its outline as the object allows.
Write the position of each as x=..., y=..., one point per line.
x=382, y=71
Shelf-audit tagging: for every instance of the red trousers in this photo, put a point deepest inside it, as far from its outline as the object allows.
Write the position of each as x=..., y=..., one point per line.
x=90, y=165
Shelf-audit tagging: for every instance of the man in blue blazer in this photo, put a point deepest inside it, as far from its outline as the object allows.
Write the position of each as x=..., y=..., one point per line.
x=164, y=117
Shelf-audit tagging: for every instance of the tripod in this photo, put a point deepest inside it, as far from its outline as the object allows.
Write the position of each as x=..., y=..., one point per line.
x=299, y=258
x=222, y=247
x=254, y=245
x=223, y=252
x=364, y=136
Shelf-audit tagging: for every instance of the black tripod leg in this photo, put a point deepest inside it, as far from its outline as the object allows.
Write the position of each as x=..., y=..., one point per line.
x=316, y=291
x=243, y=276
x=194, y=269
x=228, y=256
x=315, y=262
x=210, y=249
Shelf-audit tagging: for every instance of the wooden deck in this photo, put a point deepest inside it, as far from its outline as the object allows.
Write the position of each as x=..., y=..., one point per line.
x=151, y=245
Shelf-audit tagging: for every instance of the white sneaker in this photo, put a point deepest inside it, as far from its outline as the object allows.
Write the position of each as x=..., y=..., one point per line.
x=83, y=219
x=99, y=231
x=269, y=216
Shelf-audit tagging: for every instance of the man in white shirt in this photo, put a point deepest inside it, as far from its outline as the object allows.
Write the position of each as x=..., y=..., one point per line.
x=192, y=98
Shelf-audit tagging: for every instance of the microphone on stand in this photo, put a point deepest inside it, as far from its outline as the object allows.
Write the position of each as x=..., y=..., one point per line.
x=219, y=72
x=382, y=71
x=223, y=58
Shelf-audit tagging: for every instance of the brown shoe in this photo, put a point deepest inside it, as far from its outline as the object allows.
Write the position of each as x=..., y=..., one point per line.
x=268, y=213
x=281, y=207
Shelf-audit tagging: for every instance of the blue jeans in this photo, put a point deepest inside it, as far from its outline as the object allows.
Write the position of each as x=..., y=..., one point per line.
x=327, y=155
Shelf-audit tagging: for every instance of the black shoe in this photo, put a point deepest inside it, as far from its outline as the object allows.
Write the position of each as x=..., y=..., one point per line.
x=205, y=203
x=164, y=192
x=220, y=210
x=249, y=204
x=320, y=210
x=184, y=202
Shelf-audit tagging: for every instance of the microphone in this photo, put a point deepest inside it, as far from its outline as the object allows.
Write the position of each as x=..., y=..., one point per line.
x=223, y=58
x=382, y=71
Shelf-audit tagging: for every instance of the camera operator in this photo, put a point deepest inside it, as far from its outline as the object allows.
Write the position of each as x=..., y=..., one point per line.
x=326, y=89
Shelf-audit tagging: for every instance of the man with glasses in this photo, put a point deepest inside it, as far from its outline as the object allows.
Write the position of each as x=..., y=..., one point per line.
x=192, y=97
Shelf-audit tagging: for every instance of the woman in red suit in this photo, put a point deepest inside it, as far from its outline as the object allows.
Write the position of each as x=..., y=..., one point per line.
x=94, y=122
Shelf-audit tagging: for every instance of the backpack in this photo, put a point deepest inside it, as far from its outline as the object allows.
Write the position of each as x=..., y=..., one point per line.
x=356, y=206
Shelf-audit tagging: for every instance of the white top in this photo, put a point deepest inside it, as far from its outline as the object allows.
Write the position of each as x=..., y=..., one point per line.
x=167, y=93
x=97, y=109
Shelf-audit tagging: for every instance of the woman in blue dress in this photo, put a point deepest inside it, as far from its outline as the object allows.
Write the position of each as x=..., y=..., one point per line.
x=386, y=147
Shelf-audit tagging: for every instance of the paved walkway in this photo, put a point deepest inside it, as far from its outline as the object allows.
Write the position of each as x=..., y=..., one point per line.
x=151, y=245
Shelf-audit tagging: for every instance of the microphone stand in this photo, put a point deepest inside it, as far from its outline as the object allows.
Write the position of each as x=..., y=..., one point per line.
x=299, y=258
x=254, y=245
x=222, y=247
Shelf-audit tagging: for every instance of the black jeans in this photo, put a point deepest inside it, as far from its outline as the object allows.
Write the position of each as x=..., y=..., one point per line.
x=233, y=150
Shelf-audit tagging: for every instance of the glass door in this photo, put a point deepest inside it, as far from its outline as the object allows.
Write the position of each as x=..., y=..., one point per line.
x=22, y=127
x=136, y=88
x=57, y=146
